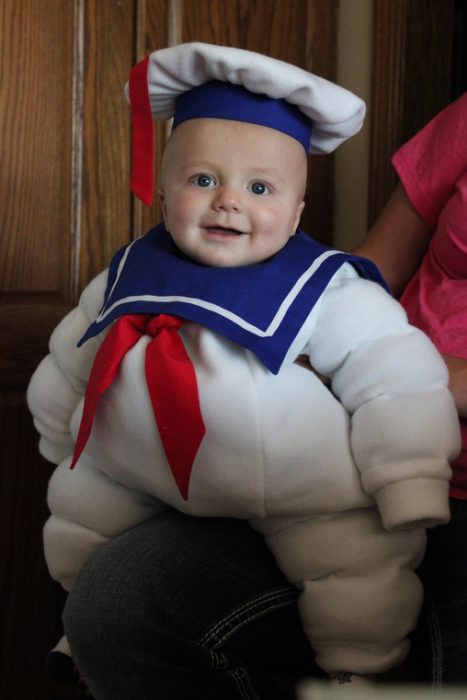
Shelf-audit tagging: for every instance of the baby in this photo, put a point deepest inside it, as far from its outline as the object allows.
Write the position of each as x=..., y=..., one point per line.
x=186, y=348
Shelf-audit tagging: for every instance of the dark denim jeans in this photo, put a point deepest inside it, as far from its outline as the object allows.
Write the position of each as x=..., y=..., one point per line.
x=441, y=640
x=182, y=608
x=186, y=608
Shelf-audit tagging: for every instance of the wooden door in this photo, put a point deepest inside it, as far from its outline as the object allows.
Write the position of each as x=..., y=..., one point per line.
x=65, y=207
x=417, y=50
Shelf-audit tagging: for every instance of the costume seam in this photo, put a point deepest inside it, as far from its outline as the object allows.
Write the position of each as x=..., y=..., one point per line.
x=260, y=424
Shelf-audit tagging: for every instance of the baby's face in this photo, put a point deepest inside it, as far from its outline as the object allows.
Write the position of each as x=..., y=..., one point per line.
x=232, y=193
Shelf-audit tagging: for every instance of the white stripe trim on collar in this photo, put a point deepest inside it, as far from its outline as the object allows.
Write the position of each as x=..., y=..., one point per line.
x=215, y=308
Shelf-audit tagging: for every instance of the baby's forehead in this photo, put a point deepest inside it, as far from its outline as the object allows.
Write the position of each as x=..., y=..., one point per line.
x=208, y=132
x=235, y=146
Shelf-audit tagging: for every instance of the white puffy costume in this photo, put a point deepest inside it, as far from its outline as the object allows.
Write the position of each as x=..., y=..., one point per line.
x=342, y=488
x=341, y=483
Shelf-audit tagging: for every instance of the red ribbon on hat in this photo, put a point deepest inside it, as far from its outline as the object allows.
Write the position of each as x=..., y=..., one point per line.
x=142, y=168
x=171, y=382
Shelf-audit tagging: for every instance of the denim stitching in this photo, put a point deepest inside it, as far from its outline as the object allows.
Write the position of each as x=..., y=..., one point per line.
x=234, y=621
x=246, y=613
x=242, y=681
x=219, y=662
x=239, y=675
x=261, y=600
x=243, y=609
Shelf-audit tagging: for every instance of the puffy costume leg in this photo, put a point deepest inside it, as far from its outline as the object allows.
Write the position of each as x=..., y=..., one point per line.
x=87, y=509
x=360, y=596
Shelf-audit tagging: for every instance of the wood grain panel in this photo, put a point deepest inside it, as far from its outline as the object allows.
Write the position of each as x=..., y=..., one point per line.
x=387, y=101
x=106, y=202
x=35, y=192
x=412, y=69
x=24, y=334
x=321, y=52
x=156, y=28
x=35, y=138
x=274, y=28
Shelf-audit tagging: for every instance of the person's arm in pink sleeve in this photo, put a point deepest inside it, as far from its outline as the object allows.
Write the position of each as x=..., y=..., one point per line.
x=457, y=368
x=397, y=243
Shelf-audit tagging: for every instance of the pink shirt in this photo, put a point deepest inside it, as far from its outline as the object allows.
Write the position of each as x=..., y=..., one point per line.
x=432, y=166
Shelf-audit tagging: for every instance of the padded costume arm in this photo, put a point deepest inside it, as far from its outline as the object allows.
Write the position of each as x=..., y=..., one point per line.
x=58, y=384
x=393, y=382
x=87, y=507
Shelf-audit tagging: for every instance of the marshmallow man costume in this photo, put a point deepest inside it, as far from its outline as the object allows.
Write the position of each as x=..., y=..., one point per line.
x=341, y=483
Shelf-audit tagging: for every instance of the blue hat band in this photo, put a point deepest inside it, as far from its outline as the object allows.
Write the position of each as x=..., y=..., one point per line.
x=219, y=100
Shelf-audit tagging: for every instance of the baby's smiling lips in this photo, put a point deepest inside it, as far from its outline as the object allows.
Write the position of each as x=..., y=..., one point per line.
x=224, y=231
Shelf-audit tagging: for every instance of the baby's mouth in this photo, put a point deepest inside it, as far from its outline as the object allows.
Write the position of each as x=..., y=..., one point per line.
x=224, y=231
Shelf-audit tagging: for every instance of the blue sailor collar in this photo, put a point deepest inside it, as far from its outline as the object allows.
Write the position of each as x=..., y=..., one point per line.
x=261, y=307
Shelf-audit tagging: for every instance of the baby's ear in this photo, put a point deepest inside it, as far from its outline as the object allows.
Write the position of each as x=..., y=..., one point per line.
x=300, y=209
x=161, y=196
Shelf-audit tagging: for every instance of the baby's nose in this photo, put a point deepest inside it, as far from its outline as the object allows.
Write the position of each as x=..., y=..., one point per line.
x=227, y=198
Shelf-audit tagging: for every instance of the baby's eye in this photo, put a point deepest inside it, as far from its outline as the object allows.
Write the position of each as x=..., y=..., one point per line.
x=259, y=188
x=203, y=180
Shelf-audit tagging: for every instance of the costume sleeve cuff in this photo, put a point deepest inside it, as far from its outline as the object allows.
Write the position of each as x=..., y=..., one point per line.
x=414, y=503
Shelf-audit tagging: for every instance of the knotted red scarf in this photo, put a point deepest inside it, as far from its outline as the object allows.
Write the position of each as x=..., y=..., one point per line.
x=171, y=382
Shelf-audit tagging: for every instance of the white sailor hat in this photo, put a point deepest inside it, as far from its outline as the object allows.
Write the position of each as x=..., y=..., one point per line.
x=197, y=80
